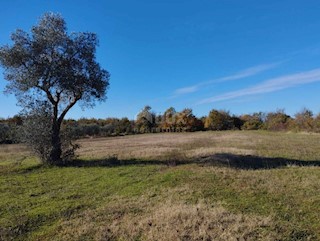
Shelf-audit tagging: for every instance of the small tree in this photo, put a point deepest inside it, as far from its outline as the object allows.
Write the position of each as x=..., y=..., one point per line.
x=51, y=65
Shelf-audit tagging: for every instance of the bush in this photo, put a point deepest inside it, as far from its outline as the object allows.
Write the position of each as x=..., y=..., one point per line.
x=36, y=133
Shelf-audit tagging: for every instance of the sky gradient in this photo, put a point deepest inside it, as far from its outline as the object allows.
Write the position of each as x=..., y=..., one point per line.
x=242, y=56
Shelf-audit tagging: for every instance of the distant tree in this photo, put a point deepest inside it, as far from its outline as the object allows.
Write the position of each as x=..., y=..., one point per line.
x=303, y=120
x=4, y=132
x=91, y=130
x=203, y=120
x=115, y=126
x=219, y=120
x=277, y=121
x=146, y=120
x=15, y=120
x=53, y=66
x=168, y=120
x=124, y=126
x=187, y=121
x=9, y=129
x=316, y=123
x=252, y=122
x=236, y=122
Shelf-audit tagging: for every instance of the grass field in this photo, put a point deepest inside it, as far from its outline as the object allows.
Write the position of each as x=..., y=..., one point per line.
x=175, y=186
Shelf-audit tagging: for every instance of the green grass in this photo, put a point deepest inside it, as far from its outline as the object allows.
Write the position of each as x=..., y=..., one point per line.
x=34, y=200
x=40, y=203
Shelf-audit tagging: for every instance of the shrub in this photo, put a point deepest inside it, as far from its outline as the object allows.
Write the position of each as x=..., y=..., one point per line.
x=37, y=134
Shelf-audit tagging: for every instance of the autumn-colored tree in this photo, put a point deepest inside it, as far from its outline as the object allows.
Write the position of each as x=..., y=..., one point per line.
x=219, y=120
x=277, y=121
x=316, y=123
x=146, y=120
x=303, y=120
x=169, y=119
x=186, y=121
x=252, y=122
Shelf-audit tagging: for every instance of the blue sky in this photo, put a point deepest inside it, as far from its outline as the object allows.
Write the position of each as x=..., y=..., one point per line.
x=242, y=56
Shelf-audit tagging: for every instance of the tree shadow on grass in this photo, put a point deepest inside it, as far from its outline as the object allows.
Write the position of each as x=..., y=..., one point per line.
x=221, y=159
x=113, y=162
x=252, y=162
x=17, y=168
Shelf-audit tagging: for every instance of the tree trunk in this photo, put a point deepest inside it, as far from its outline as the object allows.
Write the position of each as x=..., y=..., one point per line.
x=55, y=154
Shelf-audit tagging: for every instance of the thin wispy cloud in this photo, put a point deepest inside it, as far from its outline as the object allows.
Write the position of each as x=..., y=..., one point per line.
x=270, y=85
x=239, y=75
x=187, y=90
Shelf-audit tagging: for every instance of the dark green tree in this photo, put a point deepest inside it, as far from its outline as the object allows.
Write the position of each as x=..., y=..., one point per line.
x=4, y=132
x=49, y=64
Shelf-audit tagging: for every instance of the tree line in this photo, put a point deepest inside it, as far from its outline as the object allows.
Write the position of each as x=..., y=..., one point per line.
x=171, y=120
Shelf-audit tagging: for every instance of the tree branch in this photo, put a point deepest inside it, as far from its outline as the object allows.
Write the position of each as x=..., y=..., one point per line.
x=65, y=111
x=48, y=93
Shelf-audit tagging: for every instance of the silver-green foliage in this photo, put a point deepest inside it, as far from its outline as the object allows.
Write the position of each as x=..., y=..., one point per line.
x=36, y=132
x=51, y=65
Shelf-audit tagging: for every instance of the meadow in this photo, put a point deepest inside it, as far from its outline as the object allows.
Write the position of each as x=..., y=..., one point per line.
x=230, y=185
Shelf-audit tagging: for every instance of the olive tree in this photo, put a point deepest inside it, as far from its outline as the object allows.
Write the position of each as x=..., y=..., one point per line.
x=53, y=66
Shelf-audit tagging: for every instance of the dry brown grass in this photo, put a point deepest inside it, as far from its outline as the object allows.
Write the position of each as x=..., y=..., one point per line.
x=12, y=152
x=12, y=157
x=153, y=146
x=188, y=222
x=171, y=220
x=156, y=145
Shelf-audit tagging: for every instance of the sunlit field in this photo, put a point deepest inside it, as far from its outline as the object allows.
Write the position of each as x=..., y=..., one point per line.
x=235, y=185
